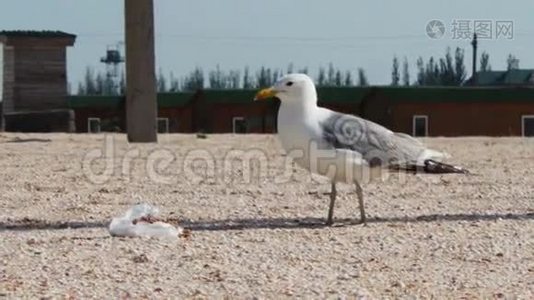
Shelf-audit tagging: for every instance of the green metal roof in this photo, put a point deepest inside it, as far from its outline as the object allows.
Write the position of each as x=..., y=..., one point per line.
x=518, y=76
x=342, y=94
x=164, y=100
x=331, y=95
x=490, y=77
x=456, y=94
x=412, y=94
x=174, y=99
x=95, y=101
x=499, y=78
x=325, y=94
x=229, y=96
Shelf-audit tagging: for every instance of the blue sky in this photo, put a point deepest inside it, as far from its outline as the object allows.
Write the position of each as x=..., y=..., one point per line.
x=236, y=33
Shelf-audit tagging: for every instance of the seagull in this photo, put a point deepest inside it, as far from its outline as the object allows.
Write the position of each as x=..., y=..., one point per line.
x=342, y=147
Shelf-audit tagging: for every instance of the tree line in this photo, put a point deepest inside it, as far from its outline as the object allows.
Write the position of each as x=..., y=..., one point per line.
x=102, y=83
x=448, y=70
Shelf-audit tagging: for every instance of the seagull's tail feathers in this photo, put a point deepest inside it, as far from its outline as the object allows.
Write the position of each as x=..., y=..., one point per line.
x=430, y=166
x=436, y=167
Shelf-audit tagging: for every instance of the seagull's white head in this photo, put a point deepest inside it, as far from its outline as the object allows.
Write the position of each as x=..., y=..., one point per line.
x=291, y=89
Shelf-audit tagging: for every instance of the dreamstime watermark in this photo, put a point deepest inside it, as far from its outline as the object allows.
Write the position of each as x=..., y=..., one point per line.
x=464, y=29
x=163, y=166
x=350, y=137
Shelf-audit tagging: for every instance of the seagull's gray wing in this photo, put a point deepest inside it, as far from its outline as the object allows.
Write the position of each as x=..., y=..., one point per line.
x=376, y=144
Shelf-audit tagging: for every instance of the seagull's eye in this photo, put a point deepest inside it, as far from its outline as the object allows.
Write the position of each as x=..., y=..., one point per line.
x=289, y=83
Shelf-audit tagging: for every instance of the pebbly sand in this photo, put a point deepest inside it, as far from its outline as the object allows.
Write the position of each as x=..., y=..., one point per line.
x=259, y=233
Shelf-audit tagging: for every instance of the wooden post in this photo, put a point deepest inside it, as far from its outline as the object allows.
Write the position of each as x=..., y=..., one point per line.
x=141, y=97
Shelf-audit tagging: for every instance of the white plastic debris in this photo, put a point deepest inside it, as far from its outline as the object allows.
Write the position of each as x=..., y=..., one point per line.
x=140, y=221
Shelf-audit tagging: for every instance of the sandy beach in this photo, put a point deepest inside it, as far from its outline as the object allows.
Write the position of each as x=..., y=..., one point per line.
x=257, y=228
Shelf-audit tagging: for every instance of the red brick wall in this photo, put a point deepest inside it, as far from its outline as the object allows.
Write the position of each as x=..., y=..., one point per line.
x=81, y=116
x=444, y=118
x=223, y=114
x=461, y=119
x=180, y=118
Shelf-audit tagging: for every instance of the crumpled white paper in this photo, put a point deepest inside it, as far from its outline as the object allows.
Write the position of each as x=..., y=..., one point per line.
x=136, y=222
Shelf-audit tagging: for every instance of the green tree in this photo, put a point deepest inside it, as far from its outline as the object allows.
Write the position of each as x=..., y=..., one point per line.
x=395, y=75
x=276, y=75
x=447, y=72
x=348, y=79
x=174, y=84
x=362, y=78
x=81, y=89
x=303, y=70
x=89, y=82
x=109, y=86
x=234, y=79
x=321, y=78
x=512, y=62
x=216, y=79
x=263, y=77
x=247, y=80
x=459, y=66
x=290, y=68
x=122, y=83
x=161, y=82
x=444, y=71
x=269, y=76
x=198, y=78
x=405, y=72
x=484, y=62
x=331, y=75
x=431, y=72
x=99, y=81
x=338, y=79
x=194, y=81
x=421, y=80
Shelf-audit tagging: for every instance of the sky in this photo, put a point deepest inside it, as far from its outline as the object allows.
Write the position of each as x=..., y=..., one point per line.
x=313, y=33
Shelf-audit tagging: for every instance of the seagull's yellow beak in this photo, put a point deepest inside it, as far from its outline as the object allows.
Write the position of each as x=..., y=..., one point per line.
x=265, y=94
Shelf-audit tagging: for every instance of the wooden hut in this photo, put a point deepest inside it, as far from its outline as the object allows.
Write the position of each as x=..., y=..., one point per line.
x=33, y=80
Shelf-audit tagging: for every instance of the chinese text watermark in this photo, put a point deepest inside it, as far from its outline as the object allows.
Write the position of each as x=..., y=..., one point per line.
x=464, y=29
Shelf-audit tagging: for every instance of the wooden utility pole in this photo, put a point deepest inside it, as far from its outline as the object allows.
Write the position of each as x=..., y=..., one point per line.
x=141, y=97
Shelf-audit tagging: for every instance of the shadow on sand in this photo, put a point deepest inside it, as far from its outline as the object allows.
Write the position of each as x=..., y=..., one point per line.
x=26, y=224
x=32, y=140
